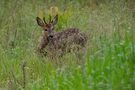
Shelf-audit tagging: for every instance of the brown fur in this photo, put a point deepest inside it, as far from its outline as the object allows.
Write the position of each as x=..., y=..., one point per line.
x=61, y=42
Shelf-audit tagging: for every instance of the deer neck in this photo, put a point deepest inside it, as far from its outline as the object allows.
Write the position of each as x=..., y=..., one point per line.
x=45, y=37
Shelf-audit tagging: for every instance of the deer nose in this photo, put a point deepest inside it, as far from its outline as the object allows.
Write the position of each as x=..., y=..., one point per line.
x=51, y=36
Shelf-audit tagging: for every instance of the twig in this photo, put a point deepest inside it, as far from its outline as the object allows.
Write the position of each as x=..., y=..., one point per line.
x=24, y=74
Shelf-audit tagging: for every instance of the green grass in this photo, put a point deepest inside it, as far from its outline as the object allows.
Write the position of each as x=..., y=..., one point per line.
x=109, y=63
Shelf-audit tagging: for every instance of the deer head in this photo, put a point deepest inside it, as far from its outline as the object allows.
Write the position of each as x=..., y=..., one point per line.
x=47, y=27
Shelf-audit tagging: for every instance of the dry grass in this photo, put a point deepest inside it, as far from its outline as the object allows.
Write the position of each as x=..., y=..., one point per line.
x=108, y=63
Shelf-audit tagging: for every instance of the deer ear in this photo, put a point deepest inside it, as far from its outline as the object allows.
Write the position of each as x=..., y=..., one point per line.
x=39, y=22
x=55, y=20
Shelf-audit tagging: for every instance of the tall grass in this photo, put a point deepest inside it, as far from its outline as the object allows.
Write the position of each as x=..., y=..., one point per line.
x=109, y=62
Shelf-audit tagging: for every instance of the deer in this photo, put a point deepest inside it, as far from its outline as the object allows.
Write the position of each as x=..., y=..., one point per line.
x=61, y=42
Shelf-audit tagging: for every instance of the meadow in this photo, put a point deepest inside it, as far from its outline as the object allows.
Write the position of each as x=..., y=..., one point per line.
x=109, y=61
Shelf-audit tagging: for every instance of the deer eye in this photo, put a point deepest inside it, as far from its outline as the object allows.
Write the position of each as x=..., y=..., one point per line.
x=45, y=29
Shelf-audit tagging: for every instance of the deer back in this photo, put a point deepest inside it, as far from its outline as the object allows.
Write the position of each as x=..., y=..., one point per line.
x=66, y=39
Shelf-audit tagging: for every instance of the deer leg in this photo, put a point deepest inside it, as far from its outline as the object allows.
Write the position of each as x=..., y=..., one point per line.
x=81, y=55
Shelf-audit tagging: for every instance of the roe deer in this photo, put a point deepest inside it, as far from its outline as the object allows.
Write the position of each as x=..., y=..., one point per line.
x=61, y=42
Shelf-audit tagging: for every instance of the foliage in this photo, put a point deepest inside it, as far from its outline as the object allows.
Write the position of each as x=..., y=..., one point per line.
x=109, y=61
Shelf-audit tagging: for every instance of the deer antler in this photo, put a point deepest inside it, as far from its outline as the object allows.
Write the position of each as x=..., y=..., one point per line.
x=49, y=18
x=44, y=20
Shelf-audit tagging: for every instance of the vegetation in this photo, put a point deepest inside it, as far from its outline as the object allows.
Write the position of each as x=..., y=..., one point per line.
x=108, y=64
